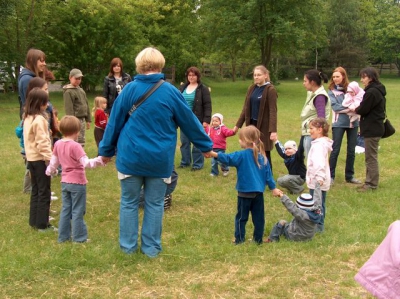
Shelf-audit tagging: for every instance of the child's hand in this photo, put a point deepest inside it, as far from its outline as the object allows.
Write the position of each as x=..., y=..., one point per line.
x=273, y=136
x=277, y=193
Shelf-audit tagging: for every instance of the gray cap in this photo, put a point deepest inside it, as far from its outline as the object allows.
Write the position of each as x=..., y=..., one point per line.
x=75, y=73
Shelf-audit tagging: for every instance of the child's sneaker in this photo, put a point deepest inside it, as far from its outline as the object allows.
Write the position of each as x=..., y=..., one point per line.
x=53, y=193
x=49, y=228
x=51, y=218
x=53, y=197
x=167, y=201
x=211, y=174
x=225, y=173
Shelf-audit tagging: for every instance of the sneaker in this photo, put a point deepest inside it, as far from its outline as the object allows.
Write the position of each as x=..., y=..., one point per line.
x=195, y=169
x=211, y=174
x=51, y=218
x=53, y=193
x=365, y=188
x=53, y=197
x=353, y=181
x=50, y=228
x=225, y=173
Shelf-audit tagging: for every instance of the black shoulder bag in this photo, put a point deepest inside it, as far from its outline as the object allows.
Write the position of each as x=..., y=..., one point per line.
x=144, y=98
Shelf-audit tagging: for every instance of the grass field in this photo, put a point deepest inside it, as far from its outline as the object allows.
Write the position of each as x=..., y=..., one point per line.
x=198, y=259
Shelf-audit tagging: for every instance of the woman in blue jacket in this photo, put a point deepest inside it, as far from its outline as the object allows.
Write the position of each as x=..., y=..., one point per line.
x=146, y=143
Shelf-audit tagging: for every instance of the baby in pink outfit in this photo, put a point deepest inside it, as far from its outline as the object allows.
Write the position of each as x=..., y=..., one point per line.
x=352, y=100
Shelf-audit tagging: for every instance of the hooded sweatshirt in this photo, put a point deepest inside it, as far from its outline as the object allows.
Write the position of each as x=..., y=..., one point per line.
x=351, y=101
x=76, y=103
x=23, y=80
x=219, y=134
x=318, y=163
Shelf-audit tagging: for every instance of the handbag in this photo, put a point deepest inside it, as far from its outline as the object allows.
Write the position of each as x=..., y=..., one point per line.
x=389, y=129
x=143, y=98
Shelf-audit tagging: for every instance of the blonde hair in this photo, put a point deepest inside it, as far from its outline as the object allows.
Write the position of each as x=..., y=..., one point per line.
x=98, y=101
x=250, y=136
x=264, y=70
x=69, y=125
x=148, y=60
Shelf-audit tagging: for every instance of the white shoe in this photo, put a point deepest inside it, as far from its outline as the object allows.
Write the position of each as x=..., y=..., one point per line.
x=51, y=218
x=225, y=173
x=53, y=193
x=211, y=174
x=53, y=197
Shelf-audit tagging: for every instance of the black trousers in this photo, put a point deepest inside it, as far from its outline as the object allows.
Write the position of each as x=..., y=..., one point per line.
x=40, y=195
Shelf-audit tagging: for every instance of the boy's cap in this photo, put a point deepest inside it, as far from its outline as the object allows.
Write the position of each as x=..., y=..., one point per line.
x=291, y=144
x=305, y=201
x=75, y=73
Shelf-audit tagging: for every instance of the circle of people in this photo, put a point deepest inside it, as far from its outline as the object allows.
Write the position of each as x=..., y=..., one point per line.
x=146, y=146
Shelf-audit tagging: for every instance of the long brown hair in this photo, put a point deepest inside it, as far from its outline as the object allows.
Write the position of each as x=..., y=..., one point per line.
x=345, y=81
x=250, y=136
x=115, y=61
x=32, y=57
x=37, y=98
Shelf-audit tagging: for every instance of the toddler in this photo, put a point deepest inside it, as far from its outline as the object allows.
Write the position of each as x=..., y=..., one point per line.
x=307, y=214
x=352, y=100
x=253, y=174
x=318, y=162
x=100, y=118
x=73, y=159
x=294, y=162
x=218, y=134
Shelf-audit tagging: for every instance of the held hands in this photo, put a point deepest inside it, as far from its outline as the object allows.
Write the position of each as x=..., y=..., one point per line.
x=105, y=160
x=277, y=193
x=273, y=136
x=210, y=154
x=235, y=129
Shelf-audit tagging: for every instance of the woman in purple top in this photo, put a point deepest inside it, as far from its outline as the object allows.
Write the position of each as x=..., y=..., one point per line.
x=317, y=104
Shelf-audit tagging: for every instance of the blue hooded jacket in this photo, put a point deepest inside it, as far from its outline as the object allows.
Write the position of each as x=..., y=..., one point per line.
x=146, y=143
x=23, y=81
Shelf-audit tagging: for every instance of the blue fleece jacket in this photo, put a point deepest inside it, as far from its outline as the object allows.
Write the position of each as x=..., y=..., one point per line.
x=146, y=143
x=250, y=177
x=23, y=80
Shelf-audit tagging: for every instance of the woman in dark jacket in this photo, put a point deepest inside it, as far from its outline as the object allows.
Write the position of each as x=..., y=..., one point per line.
x=260, y=109
x=198, y=98
x=372, y=111
x=114, y=82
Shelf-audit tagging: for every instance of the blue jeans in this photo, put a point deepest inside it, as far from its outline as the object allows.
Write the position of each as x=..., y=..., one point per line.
x=337, y=137
x=322, y=223
x=72, y=211
x=244, y=207
x=278, y=230
x=190, y=153
x=215, y=163
x=154, y=191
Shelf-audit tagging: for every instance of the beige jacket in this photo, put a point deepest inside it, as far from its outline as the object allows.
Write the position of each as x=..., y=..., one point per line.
x=37, y=138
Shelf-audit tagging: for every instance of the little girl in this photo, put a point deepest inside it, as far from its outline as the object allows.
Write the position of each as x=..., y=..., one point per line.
x=352, y=100
x=253, y=174
x=318, y=162
x=38, y=153
x=218, y=134
x=100, y=118
x=73, y=159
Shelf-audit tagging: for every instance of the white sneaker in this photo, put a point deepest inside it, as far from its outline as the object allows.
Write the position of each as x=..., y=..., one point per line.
x=51, y=218
x=225, y=173
x=48, y=229
x=211, y=174
x=53, y=197
x=53, y=193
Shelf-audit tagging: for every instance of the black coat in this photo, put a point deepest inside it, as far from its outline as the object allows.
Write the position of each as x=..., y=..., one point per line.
x=202, y=107
x=372, y=110
x=110, y=89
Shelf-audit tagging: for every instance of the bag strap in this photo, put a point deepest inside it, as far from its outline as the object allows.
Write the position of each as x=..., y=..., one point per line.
x=145, y=96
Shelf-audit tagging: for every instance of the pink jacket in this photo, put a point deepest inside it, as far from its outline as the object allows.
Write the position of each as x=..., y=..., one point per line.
x=318, y=163
x=350, y=101
x=219, y=135
x=380, y=275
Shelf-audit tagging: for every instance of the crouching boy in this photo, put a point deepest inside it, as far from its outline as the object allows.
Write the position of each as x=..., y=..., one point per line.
x=307, y=214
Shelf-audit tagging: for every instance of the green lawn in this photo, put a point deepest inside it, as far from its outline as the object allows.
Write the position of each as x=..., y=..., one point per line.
x=198, y=259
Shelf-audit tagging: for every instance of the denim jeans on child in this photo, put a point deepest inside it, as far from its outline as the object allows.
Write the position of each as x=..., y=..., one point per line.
x=278, y=230
x=72, y=211
x=154, y=191
x=215, y=163
x=244, y=207
x=189, y=151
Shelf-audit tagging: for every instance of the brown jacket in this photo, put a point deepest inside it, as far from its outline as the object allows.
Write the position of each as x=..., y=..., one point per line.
x=267, y=121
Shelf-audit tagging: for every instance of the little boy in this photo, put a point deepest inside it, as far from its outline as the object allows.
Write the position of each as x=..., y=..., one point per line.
x=307, y=214
x=218, y=134
x=294, y=162
x=76, y=103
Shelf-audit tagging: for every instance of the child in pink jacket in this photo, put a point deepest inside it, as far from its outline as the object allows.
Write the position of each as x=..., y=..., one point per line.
x=218, y=134
x=352, y=100
x=318, y=162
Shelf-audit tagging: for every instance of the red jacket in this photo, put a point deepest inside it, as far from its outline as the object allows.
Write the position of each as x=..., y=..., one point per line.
x=219, y=135
x=100, y=119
